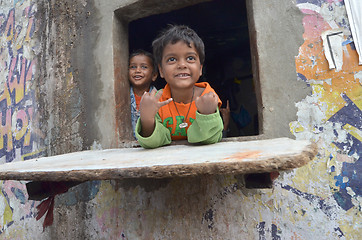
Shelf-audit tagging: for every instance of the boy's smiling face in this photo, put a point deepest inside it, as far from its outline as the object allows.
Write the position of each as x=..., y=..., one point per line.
x=180, y=65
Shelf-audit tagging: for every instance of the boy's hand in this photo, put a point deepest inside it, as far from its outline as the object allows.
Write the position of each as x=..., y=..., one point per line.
x=207, y=104
x=149, y=106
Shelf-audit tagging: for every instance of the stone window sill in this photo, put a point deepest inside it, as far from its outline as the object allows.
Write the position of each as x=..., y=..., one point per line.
x=227, y=157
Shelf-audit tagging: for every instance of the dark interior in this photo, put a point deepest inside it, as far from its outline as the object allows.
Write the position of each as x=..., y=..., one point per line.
x=223, y=27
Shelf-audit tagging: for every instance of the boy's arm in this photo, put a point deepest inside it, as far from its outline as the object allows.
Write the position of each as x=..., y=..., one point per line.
x=149, y=107
x=206, y=129
x=160, y=136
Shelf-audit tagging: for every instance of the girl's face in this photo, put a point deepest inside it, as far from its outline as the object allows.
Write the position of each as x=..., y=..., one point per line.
x=140, y=71
x=180, y=65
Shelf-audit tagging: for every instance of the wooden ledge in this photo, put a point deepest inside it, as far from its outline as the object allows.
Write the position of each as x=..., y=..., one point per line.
x=169, y=161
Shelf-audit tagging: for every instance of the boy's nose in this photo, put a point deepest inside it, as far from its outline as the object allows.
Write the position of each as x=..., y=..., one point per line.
x=181, y=64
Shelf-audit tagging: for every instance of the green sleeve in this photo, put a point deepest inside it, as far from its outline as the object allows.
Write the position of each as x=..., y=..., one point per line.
x=206, y=129
x=161, y=135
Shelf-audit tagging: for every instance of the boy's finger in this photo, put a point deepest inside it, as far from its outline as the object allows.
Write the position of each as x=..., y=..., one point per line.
x=209, y=94
x=227, y=105
x=158, y=94
x=161, y=104
x=153, y=92
x=197, y=99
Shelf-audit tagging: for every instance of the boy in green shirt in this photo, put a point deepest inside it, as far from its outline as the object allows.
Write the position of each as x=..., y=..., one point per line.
x=184, y=109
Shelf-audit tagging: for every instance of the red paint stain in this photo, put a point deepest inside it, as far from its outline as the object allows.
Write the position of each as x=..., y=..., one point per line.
x=243, y=155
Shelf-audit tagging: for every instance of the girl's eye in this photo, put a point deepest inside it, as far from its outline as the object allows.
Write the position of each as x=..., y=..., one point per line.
x=132, y=67
x=144, y=67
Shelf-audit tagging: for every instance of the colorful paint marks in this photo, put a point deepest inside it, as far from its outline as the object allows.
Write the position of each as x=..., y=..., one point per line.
x=20, y=136
x=332, y=117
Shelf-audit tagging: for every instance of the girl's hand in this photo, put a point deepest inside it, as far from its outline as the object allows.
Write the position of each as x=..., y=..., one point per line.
x=207, y=104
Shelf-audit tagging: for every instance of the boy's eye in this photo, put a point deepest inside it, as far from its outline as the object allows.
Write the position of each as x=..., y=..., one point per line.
x=132, y=67
x=191, y=58
x=171, y=59
x=144, y=67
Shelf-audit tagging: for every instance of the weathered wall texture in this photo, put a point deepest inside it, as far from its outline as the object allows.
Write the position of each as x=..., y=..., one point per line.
x=57, y=96
x=20, y=135
x=332, y=117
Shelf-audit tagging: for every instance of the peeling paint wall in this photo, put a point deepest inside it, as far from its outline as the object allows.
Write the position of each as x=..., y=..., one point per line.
x=56, y=85
x=20, y=135
x=331, y=116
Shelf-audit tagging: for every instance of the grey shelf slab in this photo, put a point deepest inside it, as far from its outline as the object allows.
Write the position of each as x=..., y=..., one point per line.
x=170, y=161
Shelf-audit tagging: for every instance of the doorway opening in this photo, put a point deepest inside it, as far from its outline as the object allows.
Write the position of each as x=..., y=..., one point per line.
x=223, y=26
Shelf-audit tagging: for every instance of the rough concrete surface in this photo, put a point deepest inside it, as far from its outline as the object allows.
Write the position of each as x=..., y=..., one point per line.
x=170, y=161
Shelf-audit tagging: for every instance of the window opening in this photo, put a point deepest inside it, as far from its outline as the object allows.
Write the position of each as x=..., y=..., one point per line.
x=223, y=26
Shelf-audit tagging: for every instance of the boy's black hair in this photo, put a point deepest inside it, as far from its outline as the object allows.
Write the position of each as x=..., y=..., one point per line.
x=173, y=34
x=147, y=54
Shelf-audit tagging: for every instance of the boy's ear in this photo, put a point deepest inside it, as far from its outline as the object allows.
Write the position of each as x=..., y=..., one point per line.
x=154, y=76
x=160, y=70
x=201, y=70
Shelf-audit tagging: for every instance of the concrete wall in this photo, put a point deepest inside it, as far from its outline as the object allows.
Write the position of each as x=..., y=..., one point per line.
x=64, y=88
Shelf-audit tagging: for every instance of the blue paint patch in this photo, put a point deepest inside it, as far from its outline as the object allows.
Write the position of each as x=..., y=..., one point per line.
x=353, y=46
x=348, y=41
x=275, y=232
x=343, y=199
x=327, y=209
x=81, y=193
x=350, y=170
x=340, y=183
x=302, y=78
x=345, y=24
x=209, y=218
x=19, y=195
x=335, y=132
x=339, y=232
x=321, y=203
x=16, y=1
x=349, y=114
x=261, y=230
x=351, y=146
x=352, y=115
